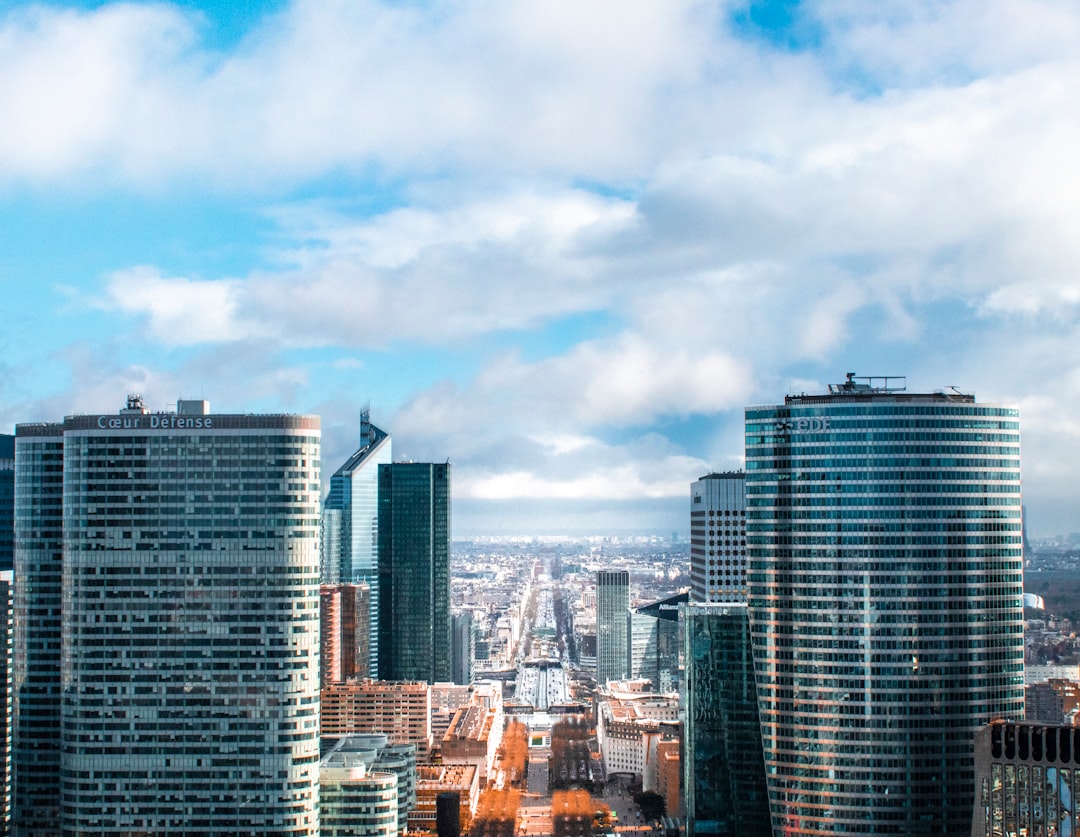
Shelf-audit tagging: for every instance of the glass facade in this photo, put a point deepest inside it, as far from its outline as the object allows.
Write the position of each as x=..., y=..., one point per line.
x=885, y=589
x=351, y=524
x=414, y=580
x=7, y=502
x=39, y=537
x=724, y=775
x=188, y=623
x=612, y=640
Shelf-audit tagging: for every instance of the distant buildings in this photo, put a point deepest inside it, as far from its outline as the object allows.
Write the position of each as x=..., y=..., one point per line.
x=631, y=724
x=718, y=538
x=176, y=690
x=612, y=604
x=885, y=602
x=462, y=647
x=414, y=576
x=350, y=524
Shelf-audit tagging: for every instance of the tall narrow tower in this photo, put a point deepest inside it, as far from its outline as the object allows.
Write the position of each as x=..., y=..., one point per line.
x=612, y=625
x=350, y=524
x=886, y=602
x=414, y=574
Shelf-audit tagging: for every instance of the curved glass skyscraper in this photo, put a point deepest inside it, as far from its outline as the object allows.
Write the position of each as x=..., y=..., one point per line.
x=886, y=602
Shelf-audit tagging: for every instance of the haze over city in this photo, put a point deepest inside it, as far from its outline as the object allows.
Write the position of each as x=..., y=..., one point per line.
x=563, y=245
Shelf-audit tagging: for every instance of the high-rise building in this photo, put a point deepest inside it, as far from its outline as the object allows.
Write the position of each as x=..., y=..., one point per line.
x=612, y=633
x=344, y=624
x=885, y=593
x=718, y=538
x=7, y=585
x=657, y=657
x=724, y=775
x=350, y=524
x=187, y=639
x=39, y=552
x=399, y=710
x=7, y=502
x=462, y=648
x=414, y=575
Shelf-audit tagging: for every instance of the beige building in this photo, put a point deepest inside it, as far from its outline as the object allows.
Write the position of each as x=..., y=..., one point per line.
x=400, y=710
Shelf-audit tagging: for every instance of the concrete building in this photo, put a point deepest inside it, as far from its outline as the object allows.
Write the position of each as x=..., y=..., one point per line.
x=1027, y=780
x=475, y=733
x=399, y=710
x=462, y=779
x=350, y=524
x=718, y=538
x=612, y=640
x=886, y=601
x=187, y=629
x=414, y=576
x=367, y=786
x=631, y=725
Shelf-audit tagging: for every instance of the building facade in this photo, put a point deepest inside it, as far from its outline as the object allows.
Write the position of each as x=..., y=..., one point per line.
x=399, y=710
x=344, y=624
x=612, y=631
x=414, y=571
x=885, y=591
x=186, y=615
x=7, y=502
x=39, y=553
x=350, y=524
x=718, y=538
x=1027, y=779
x=723, y=770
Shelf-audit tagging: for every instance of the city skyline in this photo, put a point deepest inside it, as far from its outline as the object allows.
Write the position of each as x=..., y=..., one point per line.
x=563, y=247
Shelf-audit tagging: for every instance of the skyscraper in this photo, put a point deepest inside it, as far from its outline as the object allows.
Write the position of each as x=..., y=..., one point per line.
x=414, y=580
x=724, y=775
x=885, y=593
x=7, y=502
x=344, y=622
x=350, y=523
x=188, y=633
x=612, y=630
x=718, y=538
x=39, y=553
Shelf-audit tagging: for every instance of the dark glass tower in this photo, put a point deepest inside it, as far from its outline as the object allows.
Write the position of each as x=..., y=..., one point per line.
x=724, y=774
x=7, y=502
x=414, y=581
x=612, y=626
x=886, y=602
x=39, y=555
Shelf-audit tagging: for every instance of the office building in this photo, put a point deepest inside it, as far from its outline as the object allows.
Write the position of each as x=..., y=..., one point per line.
x=7, y=502
x=612, y=639
x=718, y=538
x=7, y=585
x=39, y=539
x=350, y=524
x=188, y=636
x=358, y=794
x=724, y=774
x=462, y=648
x=399, y=710
x=344, y=625
x=885, y=592
x=414, y=576
x=1027, y=780
x=656, y=643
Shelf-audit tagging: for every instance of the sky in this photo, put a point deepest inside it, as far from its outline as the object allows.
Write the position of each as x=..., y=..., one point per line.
x=561, y=245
